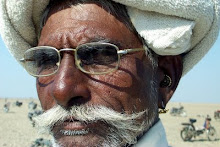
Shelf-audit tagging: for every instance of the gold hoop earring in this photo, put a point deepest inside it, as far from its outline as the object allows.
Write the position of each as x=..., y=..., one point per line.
x=167, y=81
x=163, y=109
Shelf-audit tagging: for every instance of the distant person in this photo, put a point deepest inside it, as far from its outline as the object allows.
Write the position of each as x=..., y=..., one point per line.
x=6, y=107
x=102, y=68
x=207, y=122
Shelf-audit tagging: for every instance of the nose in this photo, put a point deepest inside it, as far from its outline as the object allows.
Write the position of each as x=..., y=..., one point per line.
x=70, y=84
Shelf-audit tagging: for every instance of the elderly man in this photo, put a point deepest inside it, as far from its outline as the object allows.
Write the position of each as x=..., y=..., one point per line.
x=102, y=68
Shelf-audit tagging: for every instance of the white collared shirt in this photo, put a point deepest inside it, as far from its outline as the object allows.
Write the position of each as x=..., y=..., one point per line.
x=155, y=137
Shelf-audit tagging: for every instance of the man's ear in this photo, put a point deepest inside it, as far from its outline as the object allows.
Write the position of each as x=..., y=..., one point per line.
x=170, y=71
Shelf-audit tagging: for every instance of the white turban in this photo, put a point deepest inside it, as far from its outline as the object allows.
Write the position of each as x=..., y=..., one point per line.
x=169, y=27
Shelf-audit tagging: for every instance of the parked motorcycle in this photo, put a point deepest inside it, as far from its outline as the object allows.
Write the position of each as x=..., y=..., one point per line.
x=178, y=111
x=189, y=131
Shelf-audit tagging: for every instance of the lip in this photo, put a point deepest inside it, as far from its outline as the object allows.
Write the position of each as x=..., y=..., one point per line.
x=71, y=124
x=71, y=127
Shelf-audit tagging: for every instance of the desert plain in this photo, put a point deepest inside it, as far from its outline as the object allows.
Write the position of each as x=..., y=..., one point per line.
x=16, y=129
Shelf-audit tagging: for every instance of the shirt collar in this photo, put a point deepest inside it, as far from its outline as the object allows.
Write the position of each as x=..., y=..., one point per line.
x=155, y=137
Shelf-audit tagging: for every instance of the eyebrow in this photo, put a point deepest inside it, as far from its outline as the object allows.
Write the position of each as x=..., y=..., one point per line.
x=104, y=40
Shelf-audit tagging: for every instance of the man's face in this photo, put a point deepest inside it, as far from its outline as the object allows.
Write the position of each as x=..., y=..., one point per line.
x=126, y=90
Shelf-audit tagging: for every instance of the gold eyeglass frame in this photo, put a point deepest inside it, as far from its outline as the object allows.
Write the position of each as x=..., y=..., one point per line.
x=77, y=61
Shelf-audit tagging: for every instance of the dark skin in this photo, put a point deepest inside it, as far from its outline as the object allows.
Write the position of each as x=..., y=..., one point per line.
x=126, y=90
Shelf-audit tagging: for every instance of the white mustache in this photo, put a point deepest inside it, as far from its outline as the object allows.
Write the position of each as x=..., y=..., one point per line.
x=85, y=113
x=127, y=125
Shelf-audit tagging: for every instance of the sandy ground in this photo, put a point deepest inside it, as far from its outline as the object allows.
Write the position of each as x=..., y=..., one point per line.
x=173, y=125
x=16, y=129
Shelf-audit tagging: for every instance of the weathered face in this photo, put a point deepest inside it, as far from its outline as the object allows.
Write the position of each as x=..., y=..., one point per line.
x=126, y=90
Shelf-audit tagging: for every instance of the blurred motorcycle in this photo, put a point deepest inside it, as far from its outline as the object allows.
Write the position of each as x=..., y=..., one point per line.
x=189, y=131
x=178, y=111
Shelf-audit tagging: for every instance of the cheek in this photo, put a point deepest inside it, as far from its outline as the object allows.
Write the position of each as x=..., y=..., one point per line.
x=127, y=87
x=118, y=81
x=43, y=89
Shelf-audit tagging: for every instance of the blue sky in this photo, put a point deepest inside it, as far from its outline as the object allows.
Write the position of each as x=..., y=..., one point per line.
x=201, y=84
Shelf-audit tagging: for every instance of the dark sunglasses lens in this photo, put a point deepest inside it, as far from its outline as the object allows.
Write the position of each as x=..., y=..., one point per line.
x=98, y=57
x=41, y=61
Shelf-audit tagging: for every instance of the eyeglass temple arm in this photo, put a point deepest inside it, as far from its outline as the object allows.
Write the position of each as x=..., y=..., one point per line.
x=22, y=60
x=126, y=51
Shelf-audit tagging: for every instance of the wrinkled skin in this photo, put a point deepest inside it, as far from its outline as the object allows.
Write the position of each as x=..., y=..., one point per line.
x=125, y=90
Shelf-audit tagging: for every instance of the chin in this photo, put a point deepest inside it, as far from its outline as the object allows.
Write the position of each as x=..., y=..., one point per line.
x=85, y=137
x=88, y=140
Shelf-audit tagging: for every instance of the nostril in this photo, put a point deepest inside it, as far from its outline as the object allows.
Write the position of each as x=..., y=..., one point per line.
x=77, y=101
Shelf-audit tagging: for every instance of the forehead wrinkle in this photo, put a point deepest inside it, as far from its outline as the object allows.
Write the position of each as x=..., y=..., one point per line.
x=65, y=41
x=65, y=38
x=77, y=32
x=69, y=38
